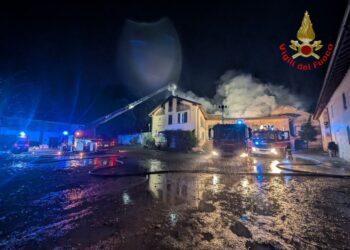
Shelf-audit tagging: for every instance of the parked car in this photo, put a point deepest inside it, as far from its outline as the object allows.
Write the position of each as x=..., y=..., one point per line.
x=21, y=145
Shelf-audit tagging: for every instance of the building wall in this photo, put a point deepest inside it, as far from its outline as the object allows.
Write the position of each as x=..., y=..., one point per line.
x=278, y=123
x=201, y=130
x=160, y=118
x=339, y=119
x=137, y=138
x=39, y=131
x=210, y=123
x=325, y=129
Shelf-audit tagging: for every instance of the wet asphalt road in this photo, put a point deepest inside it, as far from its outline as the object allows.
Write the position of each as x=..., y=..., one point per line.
x=53, y=203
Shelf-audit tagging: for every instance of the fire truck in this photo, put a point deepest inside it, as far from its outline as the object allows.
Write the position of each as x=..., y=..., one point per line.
x=230, y=139
x=269, y=142
x=93, y=145
x=85, y=139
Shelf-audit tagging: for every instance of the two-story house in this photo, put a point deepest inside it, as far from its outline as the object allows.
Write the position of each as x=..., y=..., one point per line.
x=176, y=113
x=333, y=107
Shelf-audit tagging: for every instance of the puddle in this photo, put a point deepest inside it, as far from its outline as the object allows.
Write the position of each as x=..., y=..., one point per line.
x=152, y=165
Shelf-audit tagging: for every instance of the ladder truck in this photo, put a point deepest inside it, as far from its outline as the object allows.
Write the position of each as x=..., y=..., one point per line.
x=85, y=139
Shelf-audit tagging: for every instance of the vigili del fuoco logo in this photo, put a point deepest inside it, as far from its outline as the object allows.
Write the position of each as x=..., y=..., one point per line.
x=306, y=47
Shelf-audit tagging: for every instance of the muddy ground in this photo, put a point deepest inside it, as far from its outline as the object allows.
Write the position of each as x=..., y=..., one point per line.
x=53, y=203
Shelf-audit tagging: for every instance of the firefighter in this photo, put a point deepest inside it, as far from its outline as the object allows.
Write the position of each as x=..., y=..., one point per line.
x=333, y=149
x=289, y=154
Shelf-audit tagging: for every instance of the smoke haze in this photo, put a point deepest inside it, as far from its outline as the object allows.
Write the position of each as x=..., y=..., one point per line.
x=245, y=96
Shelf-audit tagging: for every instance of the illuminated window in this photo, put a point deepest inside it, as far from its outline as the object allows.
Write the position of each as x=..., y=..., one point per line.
x=170, y=119
x=344, y=101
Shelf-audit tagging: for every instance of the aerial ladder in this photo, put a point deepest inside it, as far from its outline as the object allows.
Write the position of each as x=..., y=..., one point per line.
x=88, y=131
x=171, y=87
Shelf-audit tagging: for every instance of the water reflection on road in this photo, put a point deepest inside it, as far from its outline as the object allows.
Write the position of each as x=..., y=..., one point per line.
x=48, y=203
x=277, y=210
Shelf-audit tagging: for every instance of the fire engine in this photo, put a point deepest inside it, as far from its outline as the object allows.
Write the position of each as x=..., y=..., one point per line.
x=230, y=139
x=269, y=142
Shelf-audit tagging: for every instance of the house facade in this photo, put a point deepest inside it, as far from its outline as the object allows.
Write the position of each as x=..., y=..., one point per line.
x=176, y=113
x=333, y=107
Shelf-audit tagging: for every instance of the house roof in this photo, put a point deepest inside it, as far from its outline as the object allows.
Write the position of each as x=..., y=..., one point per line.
x=218, y=117
x=179, y=98
x=338, y=66
x=279, y=116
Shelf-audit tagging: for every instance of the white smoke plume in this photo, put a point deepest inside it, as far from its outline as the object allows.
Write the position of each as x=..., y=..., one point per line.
x=207, y=103
x=246, y=96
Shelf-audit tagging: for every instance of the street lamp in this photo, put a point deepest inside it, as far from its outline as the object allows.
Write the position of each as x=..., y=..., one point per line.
x=22, y=134
x=78, y=134
x=222, y=107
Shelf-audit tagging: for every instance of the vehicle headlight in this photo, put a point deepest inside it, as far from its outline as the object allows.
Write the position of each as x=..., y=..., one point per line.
x=244, y=155
x=253, y=149
x=274, y=151
x=215, y=153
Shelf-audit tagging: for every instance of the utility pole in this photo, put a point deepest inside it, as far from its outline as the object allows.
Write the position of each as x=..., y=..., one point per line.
x=222, y=107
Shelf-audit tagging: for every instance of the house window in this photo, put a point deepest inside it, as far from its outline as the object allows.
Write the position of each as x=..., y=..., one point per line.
x=344, y=101
x=348, y=130
x=170, y=119
x=179, y=118
x=170, y=105
x=184, y=117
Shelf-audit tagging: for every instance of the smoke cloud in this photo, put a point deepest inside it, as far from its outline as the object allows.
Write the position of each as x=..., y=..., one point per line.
x=245, y=96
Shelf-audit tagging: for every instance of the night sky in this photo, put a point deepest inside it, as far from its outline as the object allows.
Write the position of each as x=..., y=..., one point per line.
x=58, y=60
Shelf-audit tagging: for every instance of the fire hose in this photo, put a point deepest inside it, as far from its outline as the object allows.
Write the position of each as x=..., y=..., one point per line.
x=97, y=173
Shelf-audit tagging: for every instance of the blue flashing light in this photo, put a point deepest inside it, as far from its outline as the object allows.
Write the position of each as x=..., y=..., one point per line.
x=22, y=134
x=65, y=132
x=240, y=121
x=256, y=143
